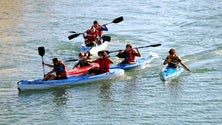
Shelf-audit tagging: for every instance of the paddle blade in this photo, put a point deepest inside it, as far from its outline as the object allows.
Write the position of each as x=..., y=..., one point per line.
x=155, y=45
x=72, y=31
x=73, y=36
x=117, y=20
x=70, y=60
x=106, y=38
x=41, y=51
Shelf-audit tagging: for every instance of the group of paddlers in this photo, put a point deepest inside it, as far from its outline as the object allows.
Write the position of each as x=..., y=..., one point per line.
x=92, y=37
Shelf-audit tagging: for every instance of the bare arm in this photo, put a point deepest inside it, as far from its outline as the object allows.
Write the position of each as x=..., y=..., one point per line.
x=111, y=61
x=166, y=61
x=49, y=65
x=107, y=57
x=138, y=52
x=185, y=66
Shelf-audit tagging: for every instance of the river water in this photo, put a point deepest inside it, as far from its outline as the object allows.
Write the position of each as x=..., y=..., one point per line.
x=192, y=27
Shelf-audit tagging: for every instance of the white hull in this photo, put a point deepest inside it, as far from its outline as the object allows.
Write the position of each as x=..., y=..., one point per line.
x=94, y=50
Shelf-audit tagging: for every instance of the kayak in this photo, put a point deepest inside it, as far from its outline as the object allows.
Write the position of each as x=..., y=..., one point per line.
x=169, y=73
x=140, y=61
x=82, y=70
x=39, y=84
x=93, y=50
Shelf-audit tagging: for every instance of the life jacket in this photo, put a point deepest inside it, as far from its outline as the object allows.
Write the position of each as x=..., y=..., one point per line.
x=91, y=36
x=131, y=54
x=99, y=30
x=60, y=69
x=104, y=64
x=173, y=61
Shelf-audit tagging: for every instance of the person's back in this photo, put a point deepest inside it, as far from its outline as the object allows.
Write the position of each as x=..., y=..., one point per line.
x=173, y=60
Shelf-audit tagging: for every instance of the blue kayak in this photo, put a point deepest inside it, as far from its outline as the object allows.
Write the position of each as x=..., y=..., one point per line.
x=140, y=61
x=169, y=73
x=71, y=80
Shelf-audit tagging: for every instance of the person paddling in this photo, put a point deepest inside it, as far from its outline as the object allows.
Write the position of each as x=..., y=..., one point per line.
x=129, y=54
x=83, y=60
x=90, y=37
x=173, y=60
x=104, y=64
x=59, y=69
x=99, y=28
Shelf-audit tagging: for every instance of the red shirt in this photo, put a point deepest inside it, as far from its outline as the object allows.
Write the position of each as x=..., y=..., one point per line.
x=104, y=64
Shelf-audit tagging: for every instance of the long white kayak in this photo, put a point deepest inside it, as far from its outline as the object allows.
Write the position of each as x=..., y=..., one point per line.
x=93, y=50
x=169, y=73
x=72, y=80
x=140, y=61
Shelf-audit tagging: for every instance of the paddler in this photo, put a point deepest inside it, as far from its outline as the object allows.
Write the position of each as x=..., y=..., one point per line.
x=104, y=62
x=173, y=60
x=59, y=68
x=83, y=60
x=129, y=54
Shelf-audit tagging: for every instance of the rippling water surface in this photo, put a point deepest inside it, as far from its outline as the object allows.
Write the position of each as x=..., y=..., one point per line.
x=192, y=27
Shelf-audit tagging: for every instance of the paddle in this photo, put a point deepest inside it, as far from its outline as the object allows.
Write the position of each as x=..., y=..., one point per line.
x=154, y=45
x=74, y=35
x=41, y=51
x=117, y=20
x=106, y=38
x=70, y=60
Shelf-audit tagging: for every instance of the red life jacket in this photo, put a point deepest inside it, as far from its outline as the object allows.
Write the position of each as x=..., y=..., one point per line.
x=104, y=64
x=131, y=55
x=98, y=30
x=91, y=36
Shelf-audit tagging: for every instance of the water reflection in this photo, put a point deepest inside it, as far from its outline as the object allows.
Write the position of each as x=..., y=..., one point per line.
x=174, y=87
x=60, y=96
x=105, y=92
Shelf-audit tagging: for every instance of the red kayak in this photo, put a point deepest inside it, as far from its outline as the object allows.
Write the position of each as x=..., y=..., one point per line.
x=82, y=70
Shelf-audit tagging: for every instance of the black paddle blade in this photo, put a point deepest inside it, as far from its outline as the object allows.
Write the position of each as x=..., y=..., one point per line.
x=73, y=36
x=72, y=31
x=155, y=45
x=106, y=38
x=41, y=51
x=117, y=20
x=70, y=60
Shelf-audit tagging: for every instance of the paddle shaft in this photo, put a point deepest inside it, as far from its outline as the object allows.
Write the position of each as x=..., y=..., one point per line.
x=43, y=69
x=154, y=45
